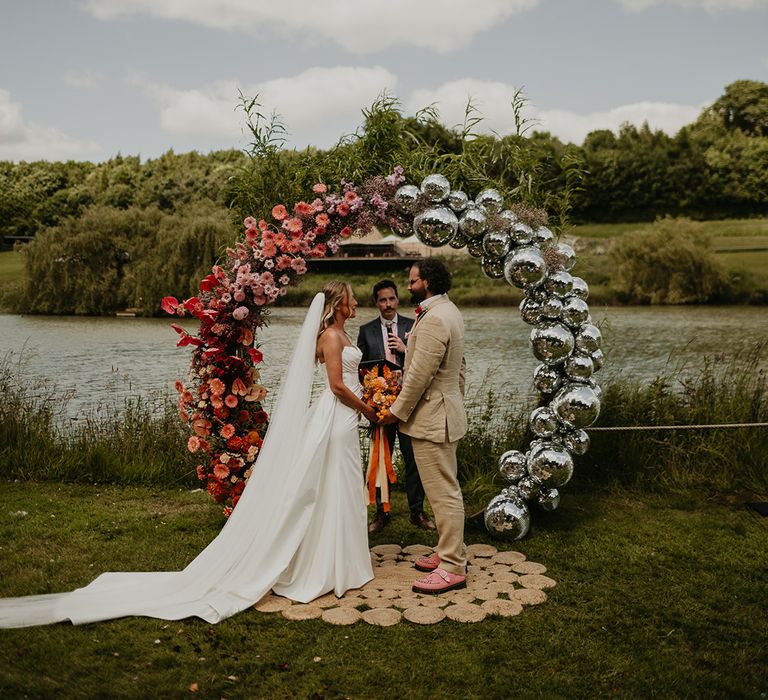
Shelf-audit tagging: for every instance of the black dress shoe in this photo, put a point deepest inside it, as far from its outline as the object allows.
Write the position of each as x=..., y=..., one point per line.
x=378, y=523
x=421, y=520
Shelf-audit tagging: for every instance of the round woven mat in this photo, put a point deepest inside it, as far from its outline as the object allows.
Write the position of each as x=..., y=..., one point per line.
x=499, y=584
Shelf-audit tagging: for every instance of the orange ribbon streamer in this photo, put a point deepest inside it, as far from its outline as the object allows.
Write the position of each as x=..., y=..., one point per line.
x=380, y=456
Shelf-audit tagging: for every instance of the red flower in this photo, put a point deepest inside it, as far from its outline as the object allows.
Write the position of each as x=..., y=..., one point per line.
x=209, y=283
x=256, y=355
x=343, y=209
x=260, y=417
x=346, y=232
x=169, y=305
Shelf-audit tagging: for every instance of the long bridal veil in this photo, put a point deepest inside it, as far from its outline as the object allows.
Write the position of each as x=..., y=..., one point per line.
x=254, y=547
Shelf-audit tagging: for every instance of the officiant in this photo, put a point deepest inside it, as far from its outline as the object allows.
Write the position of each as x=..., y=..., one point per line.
x=384, y=338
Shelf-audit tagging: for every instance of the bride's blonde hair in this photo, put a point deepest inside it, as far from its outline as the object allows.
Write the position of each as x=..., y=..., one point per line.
x=334, y=292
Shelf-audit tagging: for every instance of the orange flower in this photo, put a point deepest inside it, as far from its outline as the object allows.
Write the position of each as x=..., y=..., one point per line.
x=227, y=431
x=193, y=444
x=217, y=387
x=220, y=471
x=231, y=401
x=201, y=426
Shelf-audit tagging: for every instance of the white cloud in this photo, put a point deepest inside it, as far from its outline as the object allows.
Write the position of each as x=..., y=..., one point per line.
x=664, y=116
x=493, y=100
x=24, y=140
x=711, y=6
x=316, y=106
x=82, y=79
x=358, y=26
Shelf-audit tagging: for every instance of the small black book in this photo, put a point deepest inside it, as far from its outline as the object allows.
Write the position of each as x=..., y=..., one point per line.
x=370, y=364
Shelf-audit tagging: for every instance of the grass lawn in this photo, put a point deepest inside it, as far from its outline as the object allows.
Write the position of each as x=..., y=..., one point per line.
x=657, y=596
x=743, y=228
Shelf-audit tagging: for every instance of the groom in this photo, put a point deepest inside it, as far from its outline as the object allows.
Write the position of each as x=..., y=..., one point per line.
x=430, y=409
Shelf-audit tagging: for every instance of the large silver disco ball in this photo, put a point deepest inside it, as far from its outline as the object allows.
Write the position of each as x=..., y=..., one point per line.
x=543, y=422
x=474, y=246
x=576, y=405
x=580, y=288
x=551, y=308
x=457, y=200
x=525, y=267
x=507, y=518
x=496, y=244
x=552, y=466
x=576, y=441
x=552, y=342
x=562, y=256
x=548, y=499
x=490, y=199
x=530, y=311
x=512, y=466
x=473, y=222
x=578, y=367
x=547, y=379
x=575, y=311
x=435, y=226
x=492, y=267
x=543, y=237
x=588, y=338
x=522, y=234
x=407, y=198
x=436, y=187
x=558, y=283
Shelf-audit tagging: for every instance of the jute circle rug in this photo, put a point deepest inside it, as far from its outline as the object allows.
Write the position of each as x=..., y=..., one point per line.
x=498, y=583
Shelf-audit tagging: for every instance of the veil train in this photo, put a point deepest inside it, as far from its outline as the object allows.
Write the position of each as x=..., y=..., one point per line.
x=255, y=545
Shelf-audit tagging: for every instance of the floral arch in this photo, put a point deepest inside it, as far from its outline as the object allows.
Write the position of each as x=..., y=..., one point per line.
x=223, y=401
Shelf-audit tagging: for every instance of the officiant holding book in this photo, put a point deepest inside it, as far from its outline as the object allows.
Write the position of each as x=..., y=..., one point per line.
x=385, y=338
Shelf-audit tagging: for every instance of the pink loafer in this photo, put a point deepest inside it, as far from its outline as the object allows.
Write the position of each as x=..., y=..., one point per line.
x=439, y=581
x=429, y=563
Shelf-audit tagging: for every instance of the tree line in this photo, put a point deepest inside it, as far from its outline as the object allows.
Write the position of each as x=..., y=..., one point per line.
x=123, y=233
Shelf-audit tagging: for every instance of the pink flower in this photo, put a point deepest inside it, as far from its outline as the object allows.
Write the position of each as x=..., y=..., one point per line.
x=284, y=279
x=227, y=431
x=249, y=222
x=346, y=232
x=292, y=247
x=193, y=444
x=319, y=188
x=239, y=296
x=322, y=219
x=221, y=471
x=263, y=225
x=268, y=250
x=240, y=313
x=231, y=401
x=350, y=196
x=302, y=208
x=299, y=266
x=292, y=225
x=217, y=387
x=279, y=212
x=283, y=262
x=343, y=209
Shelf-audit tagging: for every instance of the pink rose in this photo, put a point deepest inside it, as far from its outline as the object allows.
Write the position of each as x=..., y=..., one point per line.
x=241, y=312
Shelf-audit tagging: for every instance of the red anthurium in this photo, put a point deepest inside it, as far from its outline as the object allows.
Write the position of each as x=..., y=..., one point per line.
x=256, y=355
x=209, y=283
x=193, y=304
x=189, y=340
x=178, y=329
x=169, y=305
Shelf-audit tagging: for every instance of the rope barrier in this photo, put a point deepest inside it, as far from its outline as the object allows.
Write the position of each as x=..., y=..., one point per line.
x=677, y=427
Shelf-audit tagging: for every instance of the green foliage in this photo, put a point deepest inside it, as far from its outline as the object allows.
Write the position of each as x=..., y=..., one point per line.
x=668, y=263
x=110, y=258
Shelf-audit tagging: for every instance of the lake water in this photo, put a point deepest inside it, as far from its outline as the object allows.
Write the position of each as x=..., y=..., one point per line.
x=101, y=361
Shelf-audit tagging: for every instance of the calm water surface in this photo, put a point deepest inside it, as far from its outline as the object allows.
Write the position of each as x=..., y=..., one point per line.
x=101, y=361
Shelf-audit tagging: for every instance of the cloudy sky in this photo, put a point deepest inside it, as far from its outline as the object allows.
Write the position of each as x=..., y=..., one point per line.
x=87, y=79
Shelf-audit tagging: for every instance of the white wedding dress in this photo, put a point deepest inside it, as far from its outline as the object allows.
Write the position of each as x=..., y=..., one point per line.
x=299, y=528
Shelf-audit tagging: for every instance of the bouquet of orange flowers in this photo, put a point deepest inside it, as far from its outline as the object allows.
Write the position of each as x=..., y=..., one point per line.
x=381, y=385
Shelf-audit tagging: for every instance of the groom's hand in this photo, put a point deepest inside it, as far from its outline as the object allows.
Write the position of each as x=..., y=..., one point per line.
x=388, y=418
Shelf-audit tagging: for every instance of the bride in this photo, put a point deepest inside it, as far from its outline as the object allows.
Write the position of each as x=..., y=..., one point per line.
x=300, y=526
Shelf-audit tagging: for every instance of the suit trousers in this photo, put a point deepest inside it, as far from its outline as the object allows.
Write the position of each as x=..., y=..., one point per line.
x=438, y=469
x=413, y=488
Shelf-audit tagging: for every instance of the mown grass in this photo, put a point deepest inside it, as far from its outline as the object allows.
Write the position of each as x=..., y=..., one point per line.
x=716, y=228
x=657, y=596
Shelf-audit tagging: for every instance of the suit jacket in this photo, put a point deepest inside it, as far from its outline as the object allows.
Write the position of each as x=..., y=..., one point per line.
x=371, y=341
x=431, y=403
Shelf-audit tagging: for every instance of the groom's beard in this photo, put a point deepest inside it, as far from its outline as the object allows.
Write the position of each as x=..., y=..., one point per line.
x=417, y=297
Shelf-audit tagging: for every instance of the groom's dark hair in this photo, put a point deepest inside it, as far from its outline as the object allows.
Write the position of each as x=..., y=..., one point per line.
x=434, y=271
x=384, y=284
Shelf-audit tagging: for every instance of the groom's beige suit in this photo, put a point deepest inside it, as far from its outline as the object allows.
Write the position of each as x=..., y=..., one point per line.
x=430, y=409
